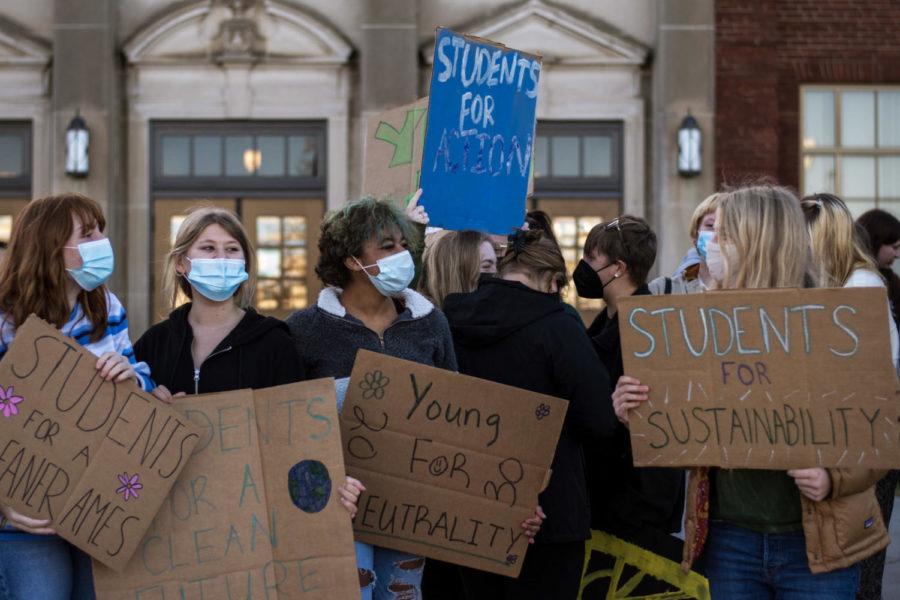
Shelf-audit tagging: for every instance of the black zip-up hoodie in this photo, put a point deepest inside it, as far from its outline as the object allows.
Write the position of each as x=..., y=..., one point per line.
x=511, y=334
x=257, y=353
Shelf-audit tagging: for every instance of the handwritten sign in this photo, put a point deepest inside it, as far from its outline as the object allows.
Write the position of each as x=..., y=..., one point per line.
x=394, y=141
x=96, y=457
x=480, y=135
x=256, y=513
x=452, y=464
x=772, y=379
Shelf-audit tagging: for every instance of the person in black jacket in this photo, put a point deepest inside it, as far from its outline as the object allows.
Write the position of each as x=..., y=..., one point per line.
x=645, y=505
x=513, y=330
x=217, y=342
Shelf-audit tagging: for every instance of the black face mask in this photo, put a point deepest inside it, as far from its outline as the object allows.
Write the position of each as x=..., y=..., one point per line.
x=482, y=277
x=587, y=284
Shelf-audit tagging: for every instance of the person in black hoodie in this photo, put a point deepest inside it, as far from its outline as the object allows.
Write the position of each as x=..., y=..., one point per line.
x=645, y=505
x=217, y=342
x=513, y=330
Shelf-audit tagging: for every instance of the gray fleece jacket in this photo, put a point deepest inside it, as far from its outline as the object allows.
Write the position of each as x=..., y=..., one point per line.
x=327, y=338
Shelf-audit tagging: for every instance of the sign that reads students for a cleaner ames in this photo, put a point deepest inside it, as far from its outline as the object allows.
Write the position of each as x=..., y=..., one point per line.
x=95, y=457
x=480, y=134
x=767, y=379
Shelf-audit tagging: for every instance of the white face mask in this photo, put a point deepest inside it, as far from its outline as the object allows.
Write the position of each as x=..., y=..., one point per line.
x=715, y=262
x=395, y=273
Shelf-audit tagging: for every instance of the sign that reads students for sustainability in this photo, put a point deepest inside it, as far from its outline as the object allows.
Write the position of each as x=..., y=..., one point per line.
x=480, y=135
x=763, y=379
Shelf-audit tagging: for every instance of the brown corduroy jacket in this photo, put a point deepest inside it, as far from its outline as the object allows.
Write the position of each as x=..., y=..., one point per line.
x=840, y=531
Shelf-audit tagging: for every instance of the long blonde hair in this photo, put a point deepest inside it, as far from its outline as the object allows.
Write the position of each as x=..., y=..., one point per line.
x=837, y=247
x=452, y=265
x=198, y=219
x=763, y=237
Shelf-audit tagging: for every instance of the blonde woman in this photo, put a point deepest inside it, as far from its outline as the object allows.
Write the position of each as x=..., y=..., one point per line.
x=455, y=263
x=771, y=533
x=694, y=278
x=840, y=257
x=217, y=342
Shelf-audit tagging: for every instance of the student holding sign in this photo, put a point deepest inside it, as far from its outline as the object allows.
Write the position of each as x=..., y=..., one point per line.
x=366, y=266
x=217, y=342
x=514, y=330
x=56, y=266
x=768, y=533
x=643, y=506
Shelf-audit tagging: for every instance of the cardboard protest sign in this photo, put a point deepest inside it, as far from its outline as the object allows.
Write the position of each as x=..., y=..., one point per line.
x=452, y=464
x=769, y=379
x=256, y=513
x=96, y=457
x=394, y=141
x=480, y=135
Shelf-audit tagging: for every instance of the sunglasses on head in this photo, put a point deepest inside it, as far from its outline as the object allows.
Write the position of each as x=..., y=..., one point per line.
x=615, y=224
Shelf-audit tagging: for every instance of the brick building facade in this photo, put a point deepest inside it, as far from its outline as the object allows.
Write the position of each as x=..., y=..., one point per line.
x=768, y=52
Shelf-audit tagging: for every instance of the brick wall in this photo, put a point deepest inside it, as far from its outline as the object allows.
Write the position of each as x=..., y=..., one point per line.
x=767, y=49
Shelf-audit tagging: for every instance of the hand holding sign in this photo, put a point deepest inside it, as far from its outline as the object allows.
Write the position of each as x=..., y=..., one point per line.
x=628, y=395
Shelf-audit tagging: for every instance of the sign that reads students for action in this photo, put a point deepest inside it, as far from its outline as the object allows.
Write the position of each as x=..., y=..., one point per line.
x=95, y=457
x=767, y=379
x=256, y=513
x=480, y=135
x=452, y=464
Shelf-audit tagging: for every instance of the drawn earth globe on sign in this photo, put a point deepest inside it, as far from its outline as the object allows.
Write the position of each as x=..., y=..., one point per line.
x=309, y=485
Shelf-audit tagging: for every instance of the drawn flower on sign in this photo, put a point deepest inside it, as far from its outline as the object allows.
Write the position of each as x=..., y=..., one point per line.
x=542, y=411
x=373, y=385
x=8, y=402
x=511, y=559
x=130, y=485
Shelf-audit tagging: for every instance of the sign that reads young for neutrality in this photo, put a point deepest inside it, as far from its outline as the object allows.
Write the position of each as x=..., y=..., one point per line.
x=769, y=379
x=95, y=457
x=480, y=134
x=452, y=464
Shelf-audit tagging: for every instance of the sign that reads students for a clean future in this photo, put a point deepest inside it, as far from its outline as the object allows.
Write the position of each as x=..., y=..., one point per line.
x=769, y=379
x=452, y=464
x=480, y=134
x=95, y=457
x=256, y=514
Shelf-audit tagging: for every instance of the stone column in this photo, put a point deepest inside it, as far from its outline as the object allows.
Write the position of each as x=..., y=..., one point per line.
x=683, y=80
x=87, y=77
x=389, y=69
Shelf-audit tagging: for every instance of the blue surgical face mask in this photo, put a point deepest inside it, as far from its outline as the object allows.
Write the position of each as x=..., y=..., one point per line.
x=97, y=262
x=217, y=278
x=703, y=238
x=395, y=274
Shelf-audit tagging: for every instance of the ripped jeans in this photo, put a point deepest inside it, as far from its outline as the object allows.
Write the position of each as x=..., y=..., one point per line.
x=386, y=574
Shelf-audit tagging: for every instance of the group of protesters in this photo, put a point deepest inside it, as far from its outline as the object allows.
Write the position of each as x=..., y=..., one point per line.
x=461, y=301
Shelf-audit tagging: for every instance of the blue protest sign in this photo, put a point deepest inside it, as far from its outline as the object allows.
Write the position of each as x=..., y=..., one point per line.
x=480, y=136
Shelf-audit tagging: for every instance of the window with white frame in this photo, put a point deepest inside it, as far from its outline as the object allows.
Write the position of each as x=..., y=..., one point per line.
x=850, y=145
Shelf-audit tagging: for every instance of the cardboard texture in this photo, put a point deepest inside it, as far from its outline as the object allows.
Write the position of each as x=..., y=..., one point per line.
x=97, y=458
x=479, y=139
x=256, y=513
x=394, y=141
x=769, y=379
x=452, y=464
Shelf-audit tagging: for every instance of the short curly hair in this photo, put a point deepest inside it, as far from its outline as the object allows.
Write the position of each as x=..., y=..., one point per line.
x=346, y=230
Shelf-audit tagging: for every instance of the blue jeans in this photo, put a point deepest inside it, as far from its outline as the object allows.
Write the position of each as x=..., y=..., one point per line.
x=386, y=574
x=39, y=567
x=744, y=565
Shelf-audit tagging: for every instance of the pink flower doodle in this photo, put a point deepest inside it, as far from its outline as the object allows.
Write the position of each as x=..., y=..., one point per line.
x=130, y=486
x=8, y=402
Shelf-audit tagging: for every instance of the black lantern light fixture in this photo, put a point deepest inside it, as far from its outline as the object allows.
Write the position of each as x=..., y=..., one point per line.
x=77, y=141
x=689, y=138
